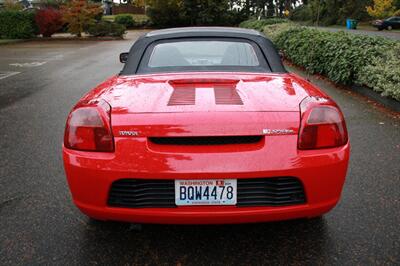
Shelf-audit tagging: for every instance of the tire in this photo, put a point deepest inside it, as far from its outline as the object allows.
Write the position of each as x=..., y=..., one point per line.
x=389, y=28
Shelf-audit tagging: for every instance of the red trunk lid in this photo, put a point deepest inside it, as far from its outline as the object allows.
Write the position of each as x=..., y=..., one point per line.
x=206, y=92
x=205, y=104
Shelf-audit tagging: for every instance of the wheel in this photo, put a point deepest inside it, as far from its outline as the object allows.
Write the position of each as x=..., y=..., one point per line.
x=389, y=27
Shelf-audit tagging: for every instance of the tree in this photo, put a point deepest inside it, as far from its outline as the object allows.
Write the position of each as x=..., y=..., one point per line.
x=331, y=11
x=205, y=12
x=191, y=10
x=140, y=3
x=79, y=14
x=270, y=8
x=165, y=13
x=51, y=3
x=49, y=21
x=12, y=5
x=213, y=12
x=381, y=9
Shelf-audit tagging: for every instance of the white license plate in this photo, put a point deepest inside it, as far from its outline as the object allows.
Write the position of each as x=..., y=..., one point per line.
x=205, y=192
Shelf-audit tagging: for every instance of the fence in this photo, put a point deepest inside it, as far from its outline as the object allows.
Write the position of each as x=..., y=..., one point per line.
x=122, y=9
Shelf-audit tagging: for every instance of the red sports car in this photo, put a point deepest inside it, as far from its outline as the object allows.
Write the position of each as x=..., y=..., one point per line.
x=205, y=126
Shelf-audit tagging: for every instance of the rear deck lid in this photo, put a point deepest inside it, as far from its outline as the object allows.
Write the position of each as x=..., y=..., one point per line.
x=205, y=92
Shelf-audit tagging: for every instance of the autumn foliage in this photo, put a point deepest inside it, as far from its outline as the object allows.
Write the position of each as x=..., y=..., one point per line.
x=80, y=14
x=49, y=21
x=381, y=8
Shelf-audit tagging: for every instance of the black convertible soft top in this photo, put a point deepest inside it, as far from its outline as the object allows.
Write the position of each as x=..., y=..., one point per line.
x=137, y=50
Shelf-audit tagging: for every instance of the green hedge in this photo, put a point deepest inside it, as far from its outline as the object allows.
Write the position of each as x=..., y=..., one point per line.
x=106, y=28
x=260, y=24
x=383, y=73
x=17, y=24
x=343, y=57
x=273, y=31
x=125, y=19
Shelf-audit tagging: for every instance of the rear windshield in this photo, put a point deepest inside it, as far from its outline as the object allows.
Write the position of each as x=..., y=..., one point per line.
x=203, y=55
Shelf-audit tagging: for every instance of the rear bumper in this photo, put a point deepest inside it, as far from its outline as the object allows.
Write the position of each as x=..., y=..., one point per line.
x=322, y=173
x=207, y=215
x=379, y=26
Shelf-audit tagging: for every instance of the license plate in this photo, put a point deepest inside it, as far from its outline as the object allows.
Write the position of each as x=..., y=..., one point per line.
x=205, y=192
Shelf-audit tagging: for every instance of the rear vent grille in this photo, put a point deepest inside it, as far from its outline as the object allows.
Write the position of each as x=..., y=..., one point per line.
x=215, y=140
x=224, y=95
x=137, y=193
x=183, y=96
x=278, y=191
x=227, y=95
x=262, y=192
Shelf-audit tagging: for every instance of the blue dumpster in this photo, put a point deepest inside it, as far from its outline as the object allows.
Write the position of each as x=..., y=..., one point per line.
x=351, y=24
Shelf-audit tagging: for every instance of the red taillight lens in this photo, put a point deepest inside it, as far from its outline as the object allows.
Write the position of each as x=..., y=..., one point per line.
x=322, y=125
x=89, y=129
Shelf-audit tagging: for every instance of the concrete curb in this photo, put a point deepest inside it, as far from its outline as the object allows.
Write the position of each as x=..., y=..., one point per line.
x=86, y=38
x=11, y=41
x=386, y=101
x=51, y=39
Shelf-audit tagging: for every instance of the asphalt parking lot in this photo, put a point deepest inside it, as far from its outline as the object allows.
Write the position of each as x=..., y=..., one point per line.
x=39, y=84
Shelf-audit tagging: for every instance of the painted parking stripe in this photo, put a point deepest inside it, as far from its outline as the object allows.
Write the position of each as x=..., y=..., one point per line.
x=6, y=74
x=33, y=64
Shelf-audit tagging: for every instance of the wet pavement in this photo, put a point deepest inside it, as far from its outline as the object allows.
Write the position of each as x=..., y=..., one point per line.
x=40, y=225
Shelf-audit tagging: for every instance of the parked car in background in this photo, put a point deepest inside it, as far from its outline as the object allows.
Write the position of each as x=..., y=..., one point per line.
x=387, y=24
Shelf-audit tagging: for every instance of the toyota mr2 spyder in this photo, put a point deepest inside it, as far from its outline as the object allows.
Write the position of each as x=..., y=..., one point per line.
x=205, y=126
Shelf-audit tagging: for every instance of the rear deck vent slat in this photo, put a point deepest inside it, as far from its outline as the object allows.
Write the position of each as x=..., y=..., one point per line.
x=183, y=96
x=226, y=95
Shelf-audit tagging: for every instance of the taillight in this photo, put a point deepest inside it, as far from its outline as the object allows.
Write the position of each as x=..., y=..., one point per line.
x=322, y=125
x=89, y=128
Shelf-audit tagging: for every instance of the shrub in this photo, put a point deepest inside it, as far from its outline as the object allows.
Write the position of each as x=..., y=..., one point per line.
x=49, y=21
x=340, y=56
x=344, y=58
x=17, y=24
x=80, y=14
x=106, y=28
x=125, y=19
x=274, y=30
x=260, y=24
x=143, y=23
x=383, y=74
